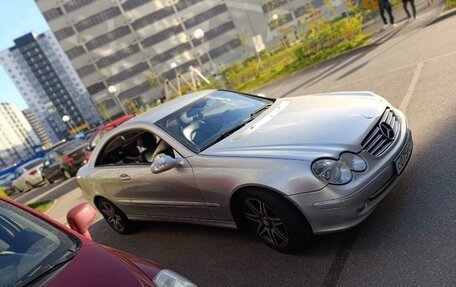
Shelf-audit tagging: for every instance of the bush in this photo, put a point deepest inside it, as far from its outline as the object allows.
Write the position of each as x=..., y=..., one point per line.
x=321, y=40
x=450, y=4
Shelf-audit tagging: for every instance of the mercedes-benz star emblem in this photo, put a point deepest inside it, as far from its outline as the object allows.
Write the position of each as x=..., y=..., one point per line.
x=387, y=131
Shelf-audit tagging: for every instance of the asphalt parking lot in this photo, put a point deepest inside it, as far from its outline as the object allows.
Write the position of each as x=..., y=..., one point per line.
x=408, y=241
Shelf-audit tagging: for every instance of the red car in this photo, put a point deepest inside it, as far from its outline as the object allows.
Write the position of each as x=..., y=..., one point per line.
x=37, y=251
x=98, y=135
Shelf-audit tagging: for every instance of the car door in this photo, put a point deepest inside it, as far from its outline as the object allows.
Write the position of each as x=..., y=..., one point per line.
x=172, y=193
x=51, y=169
x=19, y=180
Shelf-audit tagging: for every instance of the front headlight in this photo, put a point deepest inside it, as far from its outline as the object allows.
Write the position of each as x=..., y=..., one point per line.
x=338, y=171
x=169, y=278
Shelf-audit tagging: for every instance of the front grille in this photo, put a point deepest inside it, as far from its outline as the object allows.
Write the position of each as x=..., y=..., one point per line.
x=376, y=143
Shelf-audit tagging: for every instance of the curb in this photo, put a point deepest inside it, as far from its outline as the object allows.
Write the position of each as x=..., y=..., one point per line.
x=444, y=15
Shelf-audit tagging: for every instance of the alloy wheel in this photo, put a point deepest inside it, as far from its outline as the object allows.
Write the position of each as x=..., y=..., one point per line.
x=112, y=216
x=267, y=224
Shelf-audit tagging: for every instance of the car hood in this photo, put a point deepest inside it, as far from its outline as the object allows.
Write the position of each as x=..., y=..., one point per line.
x=306, y=127
x=96, y=265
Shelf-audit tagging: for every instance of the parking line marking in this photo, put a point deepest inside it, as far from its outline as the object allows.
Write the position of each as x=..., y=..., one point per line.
x=408, y=95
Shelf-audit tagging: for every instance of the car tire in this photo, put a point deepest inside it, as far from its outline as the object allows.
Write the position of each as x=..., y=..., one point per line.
x=47, y=181
x=115, y=217
x=66, y=174
x=17, y=190
x=274, y=220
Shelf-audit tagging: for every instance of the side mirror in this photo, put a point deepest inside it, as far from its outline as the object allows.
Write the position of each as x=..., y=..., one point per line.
x=165, y=162
x=80, y=218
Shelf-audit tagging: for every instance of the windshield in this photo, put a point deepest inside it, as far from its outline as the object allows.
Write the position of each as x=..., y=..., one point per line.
x=28, y=246
x=70, y=146
x=205, y=122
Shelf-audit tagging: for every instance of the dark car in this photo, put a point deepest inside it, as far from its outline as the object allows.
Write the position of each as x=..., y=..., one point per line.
x=64, y=160
x=6, y=183
x=37, y=251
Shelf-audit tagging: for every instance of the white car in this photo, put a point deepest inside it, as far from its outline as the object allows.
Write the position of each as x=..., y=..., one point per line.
x=28, y=176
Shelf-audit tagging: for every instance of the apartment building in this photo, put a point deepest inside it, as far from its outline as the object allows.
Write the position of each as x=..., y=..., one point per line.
x=17, y=139
x=131, y=44
x=37, y=127
x=48, y=83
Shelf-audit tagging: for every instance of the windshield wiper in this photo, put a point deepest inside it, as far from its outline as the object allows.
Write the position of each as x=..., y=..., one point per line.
x=228, y=132
x=46, y=269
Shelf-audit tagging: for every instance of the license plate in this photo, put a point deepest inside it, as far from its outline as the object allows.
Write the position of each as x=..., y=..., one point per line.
x=402, y=159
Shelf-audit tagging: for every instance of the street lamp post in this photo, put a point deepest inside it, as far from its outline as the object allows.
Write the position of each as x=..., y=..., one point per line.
x=199, y=35
x=112, y=91
x=67, y=120
x=173, y=65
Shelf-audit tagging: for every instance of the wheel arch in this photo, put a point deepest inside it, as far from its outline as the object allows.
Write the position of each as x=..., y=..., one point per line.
x=235, y=207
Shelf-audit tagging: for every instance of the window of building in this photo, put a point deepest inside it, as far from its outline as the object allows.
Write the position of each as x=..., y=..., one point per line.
x=64, y=33
x=152, y=17
x=219, y=9
x=76, y=4
x=161, y=36
x=97, y=18
x=52, y=13
x=107, y=38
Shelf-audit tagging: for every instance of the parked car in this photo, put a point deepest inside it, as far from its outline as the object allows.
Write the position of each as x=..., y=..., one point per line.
x=282, y=168
x=64, y=160
x=37, y=251
x=95, y=137
x=6, y=183
x=28, y=176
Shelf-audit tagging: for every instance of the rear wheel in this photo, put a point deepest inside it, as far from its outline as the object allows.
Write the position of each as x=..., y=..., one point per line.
x=274, y=220
x=115, y=217
x=47, y=181
x=66, y=174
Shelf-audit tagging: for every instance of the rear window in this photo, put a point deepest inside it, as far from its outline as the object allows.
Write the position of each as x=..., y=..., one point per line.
x=70, y=146
x=34, y=164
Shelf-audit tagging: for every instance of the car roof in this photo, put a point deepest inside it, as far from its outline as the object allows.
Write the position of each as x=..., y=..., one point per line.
x=168, y=107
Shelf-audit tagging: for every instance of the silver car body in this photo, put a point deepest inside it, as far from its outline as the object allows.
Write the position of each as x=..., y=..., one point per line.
x=28, y=173
x=275, y=152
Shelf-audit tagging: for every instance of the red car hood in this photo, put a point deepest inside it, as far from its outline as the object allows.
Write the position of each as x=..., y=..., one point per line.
x=97, y=265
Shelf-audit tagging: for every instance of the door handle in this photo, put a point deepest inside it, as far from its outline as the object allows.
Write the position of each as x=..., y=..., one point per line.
x=125, y=177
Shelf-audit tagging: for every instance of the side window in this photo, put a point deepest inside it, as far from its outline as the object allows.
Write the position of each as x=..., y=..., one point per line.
x=133, y=147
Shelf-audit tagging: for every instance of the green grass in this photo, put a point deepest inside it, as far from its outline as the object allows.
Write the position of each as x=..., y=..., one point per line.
x=292, y=64
x=450, y=4
x=41, y=206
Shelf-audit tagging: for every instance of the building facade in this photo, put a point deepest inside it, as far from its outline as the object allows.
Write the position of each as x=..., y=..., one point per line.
x=131, y=44
x=17, y=138
x=37, y=127
x=48, y=83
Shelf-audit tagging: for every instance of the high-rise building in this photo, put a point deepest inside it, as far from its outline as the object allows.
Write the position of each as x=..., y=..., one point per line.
x=17, y=139
x=37, y=127
x=131, y=44
x=48, y=83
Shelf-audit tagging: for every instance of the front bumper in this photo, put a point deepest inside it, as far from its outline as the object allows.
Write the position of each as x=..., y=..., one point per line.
x=336, y=208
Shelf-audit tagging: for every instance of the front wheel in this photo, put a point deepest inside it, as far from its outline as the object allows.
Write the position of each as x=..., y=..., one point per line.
x=274, y=220
x=115, y=217
x=47, y=181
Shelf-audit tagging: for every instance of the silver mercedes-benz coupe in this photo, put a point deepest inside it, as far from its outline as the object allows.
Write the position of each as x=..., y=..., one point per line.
x=282, y=168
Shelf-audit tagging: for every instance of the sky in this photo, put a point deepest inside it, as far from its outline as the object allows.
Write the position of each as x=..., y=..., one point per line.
x=17, y=17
